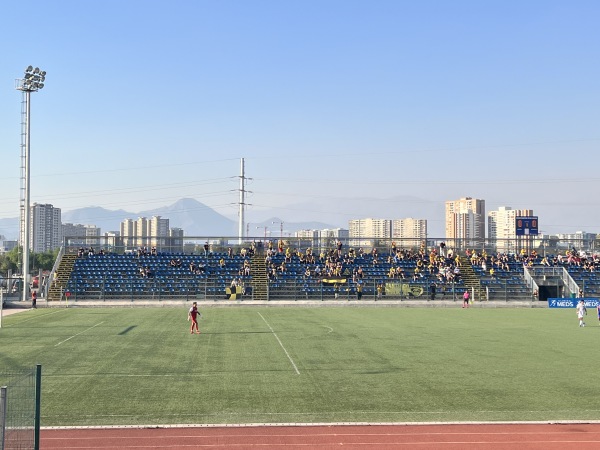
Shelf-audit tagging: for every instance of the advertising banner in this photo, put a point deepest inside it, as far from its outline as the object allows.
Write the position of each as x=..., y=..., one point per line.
x=590, y=302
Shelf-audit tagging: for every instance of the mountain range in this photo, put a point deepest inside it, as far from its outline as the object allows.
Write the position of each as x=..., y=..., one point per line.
x=194, y=217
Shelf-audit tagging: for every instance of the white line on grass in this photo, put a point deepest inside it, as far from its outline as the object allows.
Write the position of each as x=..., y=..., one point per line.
x=316, y=424
x=277, y=337
x=36, y=317
x=75, y=335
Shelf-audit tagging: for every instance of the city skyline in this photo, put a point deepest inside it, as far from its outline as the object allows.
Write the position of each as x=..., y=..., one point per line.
x=336, y=107
x=495, y=224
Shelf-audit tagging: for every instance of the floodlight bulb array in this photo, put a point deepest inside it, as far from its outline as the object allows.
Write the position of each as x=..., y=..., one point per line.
x=33, y=80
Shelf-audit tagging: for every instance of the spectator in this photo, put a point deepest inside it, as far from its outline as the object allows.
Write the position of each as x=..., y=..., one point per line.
x=359, y=290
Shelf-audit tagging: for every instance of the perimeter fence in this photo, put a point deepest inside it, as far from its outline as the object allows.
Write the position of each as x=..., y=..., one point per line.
x=20, y=409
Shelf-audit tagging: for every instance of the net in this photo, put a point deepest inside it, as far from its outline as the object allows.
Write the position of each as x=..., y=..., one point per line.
x=18, y=405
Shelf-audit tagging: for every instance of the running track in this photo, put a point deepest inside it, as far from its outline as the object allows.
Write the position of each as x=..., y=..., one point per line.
x=568, y=436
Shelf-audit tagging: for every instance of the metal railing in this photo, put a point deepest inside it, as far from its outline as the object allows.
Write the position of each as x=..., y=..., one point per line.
x=544, y=245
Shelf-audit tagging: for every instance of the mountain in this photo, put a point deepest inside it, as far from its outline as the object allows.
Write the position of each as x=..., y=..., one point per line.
x=195, y=218
x=105, y=219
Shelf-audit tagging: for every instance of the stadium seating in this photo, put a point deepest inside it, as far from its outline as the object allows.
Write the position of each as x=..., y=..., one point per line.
x=132, y=276
x=125, y=276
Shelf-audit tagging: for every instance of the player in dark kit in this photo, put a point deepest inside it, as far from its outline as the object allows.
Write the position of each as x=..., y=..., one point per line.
x=193, y=316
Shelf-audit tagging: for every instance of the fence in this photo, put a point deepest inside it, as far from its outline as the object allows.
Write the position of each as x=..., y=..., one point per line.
x=543, y=244
x=106, y=288
x=375, y=289
x=20, y=409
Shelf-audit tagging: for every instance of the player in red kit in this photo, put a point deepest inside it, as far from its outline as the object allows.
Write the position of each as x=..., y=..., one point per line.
x=193, y=316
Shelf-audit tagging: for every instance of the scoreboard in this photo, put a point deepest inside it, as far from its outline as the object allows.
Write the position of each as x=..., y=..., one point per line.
x=526, y=226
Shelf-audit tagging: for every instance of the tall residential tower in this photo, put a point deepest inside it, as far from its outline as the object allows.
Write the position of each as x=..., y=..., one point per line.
x=465, y=222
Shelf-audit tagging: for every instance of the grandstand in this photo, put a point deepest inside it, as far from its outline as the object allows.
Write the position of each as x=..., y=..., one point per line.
x=247, y=273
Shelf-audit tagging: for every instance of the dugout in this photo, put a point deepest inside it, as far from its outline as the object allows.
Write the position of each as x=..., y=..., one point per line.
x=547, y=292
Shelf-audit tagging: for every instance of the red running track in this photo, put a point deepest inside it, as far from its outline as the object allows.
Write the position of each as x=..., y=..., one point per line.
x=350, y=437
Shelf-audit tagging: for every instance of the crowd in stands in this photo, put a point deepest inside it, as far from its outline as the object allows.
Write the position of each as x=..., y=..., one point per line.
x=437, y=265
x=356, y=264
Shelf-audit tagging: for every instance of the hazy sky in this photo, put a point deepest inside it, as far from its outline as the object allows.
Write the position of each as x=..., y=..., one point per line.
x=147, y=102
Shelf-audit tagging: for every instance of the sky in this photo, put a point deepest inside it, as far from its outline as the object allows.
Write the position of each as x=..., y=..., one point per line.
x=331, y=104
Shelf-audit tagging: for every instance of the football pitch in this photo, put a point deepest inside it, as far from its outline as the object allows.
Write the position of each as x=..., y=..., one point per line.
x=141, y=366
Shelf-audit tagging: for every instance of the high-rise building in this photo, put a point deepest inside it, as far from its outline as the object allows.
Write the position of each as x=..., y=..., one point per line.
x=175, y=242
x=145, y=232
x=363, y=232
x=307, y=234
x=581, y=240
x=6, y=245
x=322, y=239
x=127, y=232
x=142, y=232
x=502, y=228
x=409, y=229
x=45, y=228
x=465, y=222
x=158, y=229
x=81, y=234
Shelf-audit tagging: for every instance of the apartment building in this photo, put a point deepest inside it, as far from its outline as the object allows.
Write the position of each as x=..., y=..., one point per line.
x=78, y=234
x=45, y=231
x=465, y=222
x=502, y=228
x=144, y=232
x=409, y=229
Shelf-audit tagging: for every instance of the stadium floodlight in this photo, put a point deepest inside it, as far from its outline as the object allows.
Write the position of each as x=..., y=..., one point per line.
x=263, y=228
x=280, y=228
x=32, y=81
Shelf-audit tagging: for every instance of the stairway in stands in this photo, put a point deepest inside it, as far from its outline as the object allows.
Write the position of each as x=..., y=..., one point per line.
x=65, y=267
x=260, y=283
x=471, y=279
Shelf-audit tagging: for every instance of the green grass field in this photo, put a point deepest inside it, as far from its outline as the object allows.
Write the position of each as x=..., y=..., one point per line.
x=287, y=365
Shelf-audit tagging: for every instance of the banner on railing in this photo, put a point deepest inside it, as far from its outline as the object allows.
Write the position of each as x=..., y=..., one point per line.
x=590, y=302
x=233, y=293
x=392, y=288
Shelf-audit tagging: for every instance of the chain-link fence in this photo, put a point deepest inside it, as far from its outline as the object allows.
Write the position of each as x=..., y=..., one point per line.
x=20, y=409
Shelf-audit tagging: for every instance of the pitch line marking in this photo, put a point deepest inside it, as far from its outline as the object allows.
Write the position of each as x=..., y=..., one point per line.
x=278, y=340
x=75, y=335
x=32, y=318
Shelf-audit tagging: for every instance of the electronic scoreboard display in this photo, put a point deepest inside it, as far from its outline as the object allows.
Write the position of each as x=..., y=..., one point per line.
x=526, y=226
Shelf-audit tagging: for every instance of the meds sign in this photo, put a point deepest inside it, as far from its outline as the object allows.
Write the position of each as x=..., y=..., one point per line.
x=590, y=302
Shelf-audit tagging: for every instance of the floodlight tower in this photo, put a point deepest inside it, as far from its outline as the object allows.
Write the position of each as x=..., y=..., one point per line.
x=32, y=81
x=263, y=228
x=280, y=228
